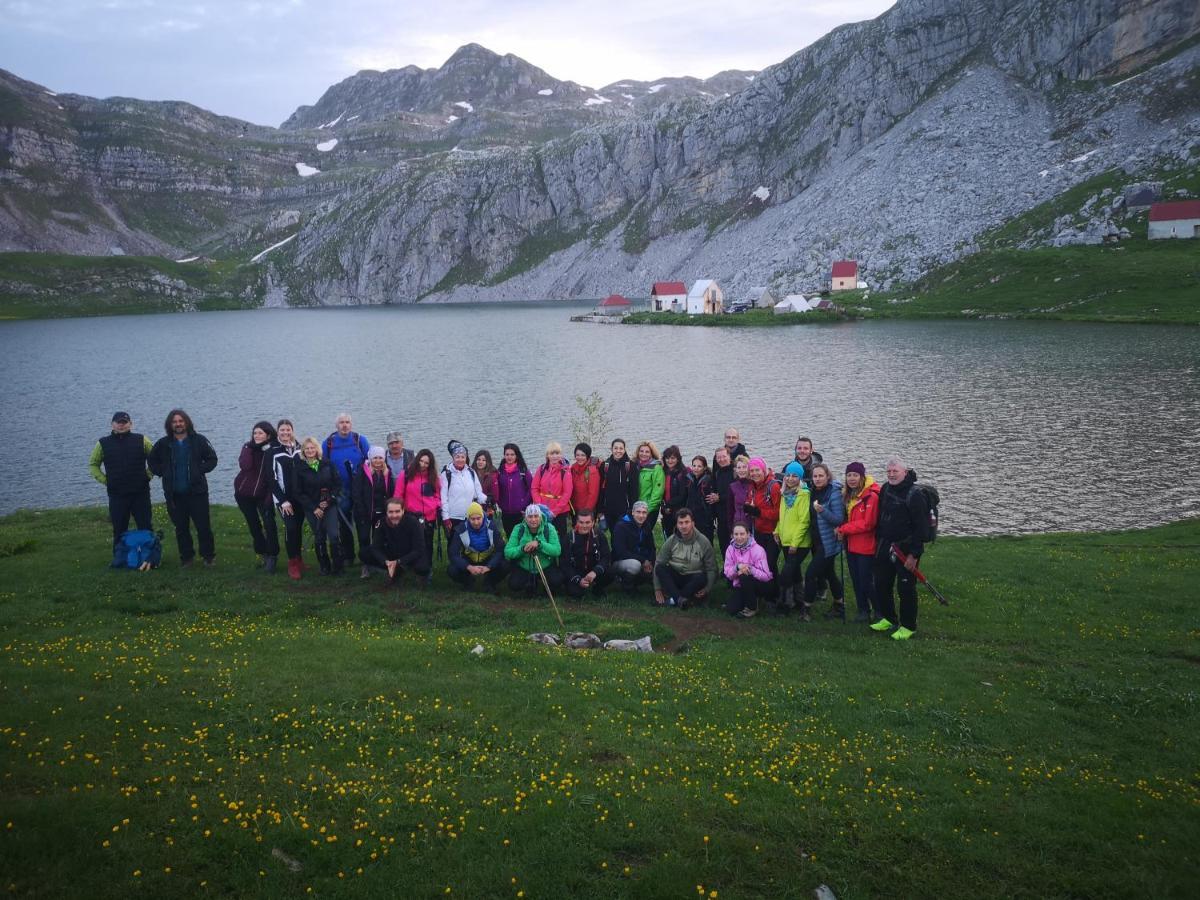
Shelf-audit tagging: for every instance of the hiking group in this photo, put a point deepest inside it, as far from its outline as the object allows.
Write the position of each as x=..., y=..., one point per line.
x=583, y=526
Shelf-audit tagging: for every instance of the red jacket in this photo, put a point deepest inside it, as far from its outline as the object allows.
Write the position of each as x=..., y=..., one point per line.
x=766, y=495
x=585, y=486
x=552, y=486
x=859, y=530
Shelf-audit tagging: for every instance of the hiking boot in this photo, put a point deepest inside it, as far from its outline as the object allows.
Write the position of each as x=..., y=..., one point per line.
x=837, y=611
x=209, y=562
x=805, y=612
x=747, y=613
x=882, y=625
x=323, y=561
x=185, y=563
x=365, y=573
x=863, y=617
x=294, y=569
x=903, y=634
x=269, y=564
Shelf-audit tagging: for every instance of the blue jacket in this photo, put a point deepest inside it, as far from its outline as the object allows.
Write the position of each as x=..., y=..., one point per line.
x=460, y=542
x=629, y=541
x=338, y=450
x=829, y=518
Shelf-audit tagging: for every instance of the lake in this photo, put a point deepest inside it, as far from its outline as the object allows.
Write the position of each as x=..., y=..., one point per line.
x=1024, y=426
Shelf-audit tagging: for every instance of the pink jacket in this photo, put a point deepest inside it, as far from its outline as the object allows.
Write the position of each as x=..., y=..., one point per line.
x=552, y=486
x=753, y=556
x=416, y=500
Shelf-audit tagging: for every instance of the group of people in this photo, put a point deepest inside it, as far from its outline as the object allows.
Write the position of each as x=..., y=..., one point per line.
x=583, y=526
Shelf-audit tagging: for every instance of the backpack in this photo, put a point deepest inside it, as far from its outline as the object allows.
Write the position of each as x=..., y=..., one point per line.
x=138, y=549
x=932, y=498
x=357, y=443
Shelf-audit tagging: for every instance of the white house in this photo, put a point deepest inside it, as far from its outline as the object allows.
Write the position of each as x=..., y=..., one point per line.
x=1180, y=219
x=668, y=296
x=793, y=303
x=705, y=298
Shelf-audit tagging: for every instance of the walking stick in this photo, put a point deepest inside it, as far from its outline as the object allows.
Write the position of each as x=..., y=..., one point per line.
x=842, y=570
x=901, y=557
x=546, y=584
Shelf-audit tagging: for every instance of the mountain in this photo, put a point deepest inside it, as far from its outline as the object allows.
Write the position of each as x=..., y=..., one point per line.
x=904, y=142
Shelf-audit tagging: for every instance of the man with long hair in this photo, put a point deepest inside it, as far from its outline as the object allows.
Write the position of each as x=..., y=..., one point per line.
x=182, y=458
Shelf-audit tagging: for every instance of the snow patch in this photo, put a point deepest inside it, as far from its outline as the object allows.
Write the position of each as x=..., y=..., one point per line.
x=749, y=77
x=450, y=120
x=761, y=193
x=304, y=171
x=259, y=256
x=627, y=96
x=655, y=88
x=51, y=94
x=331, y=124
x=1130, y=78
x=1085, y=156
x=463, y=104
x=326, y=146
x=352, y=118
x=623, y=84
x=188, y=259
x=596, y=100
x=545, y=92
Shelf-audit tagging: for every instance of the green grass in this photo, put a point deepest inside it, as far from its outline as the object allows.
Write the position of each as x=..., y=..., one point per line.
x=166, y=733
x=751, y=318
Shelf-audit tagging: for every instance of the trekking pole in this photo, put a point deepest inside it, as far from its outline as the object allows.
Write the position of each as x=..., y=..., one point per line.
x=842, y=570
x=901, y=557
x=546, y=584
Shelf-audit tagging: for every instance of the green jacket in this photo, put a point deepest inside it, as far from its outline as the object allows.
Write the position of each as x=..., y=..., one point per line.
x=548, y=551
x=97, y=458
x=793, y=528
x=688, y=557
x=650, y=486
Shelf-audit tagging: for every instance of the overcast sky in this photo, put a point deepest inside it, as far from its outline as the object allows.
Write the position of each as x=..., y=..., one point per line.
x=260, y=59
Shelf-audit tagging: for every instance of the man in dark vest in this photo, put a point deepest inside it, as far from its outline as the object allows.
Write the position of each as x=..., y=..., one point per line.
x=118, y=462
x=182, y=458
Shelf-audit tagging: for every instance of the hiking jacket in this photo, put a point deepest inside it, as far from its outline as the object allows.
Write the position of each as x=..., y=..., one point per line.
x=399, y=466
x=421, y=499
x=697, y=490
x=753, y=556
x=461, y=554
x=365, y=495
x=631, y=541
x=688, y=557
x=739, y=496
x=124, y=458
x=552, y=486
x=314, y=486
x=650, y=484
x=903, y=518
x=203, y=461
x=618, y=488
x=722, y=480
x=459, y=488
x=548, y=551
x=489, y=483
x=404, y=543
x=514, y=490
x=338, y=450
x=858, y=531
x=766, y=498
x=585, y=553
x=283, y=473
x=794, y=528
x=585, y=486
x=254, y=479
x=829, y=518
x=675, y=482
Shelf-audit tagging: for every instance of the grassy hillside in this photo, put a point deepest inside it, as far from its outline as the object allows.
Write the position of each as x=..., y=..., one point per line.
x=226, y=733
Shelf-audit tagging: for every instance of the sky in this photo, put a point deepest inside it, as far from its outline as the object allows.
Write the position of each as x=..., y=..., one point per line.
x=260, y=59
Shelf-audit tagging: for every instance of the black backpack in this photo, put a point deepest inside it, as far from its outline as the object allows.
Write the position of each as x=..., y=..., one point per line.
x=932, y=498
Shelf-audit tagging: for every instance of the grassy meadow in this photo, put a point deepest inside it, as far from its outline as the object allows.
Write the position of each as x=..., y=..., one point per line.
x=225, y=733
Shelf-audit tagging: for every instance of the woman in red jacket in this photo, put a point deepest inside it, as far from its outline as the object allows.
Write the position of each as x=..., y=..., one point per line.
x=861, y=496
x=585, y=480
x=762, y=508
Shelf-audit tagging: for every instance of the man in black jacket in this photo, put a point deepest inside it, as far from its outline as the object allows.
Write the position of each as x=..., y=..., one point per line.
x=633, y=550
x=118, y=462
x=182, y=459
x=585, y=559
x=904, y=521
x=398, y=543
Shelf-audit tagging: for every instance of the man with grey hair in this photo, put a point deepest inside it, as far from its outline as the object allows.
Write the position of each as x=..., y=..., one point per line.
x=633, y=551
x=346, y=451
x=903, y=521
x=398, y=457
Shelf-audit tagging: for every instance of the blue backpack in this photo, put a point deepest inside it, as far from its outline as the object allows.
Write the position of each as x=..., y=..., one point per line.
x=136, y=548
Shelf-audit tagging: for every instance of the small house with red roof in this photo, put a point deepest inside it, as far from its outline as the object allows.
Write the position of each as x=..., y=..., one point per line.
x=845, y=275
x=1180, y=219
x=668, y=296
x=614, y=305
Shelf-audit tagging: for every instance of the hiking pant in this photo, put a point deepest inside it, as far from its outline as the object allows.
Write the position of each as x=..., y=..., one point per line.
x=511, y=521
x=724, y=530
x=576, y=590
x=343, y=515
x=325, y=529
x=860, y=576
x=192, y=509
x=122, y=506
x=793, y=572
x=489, y=582
x=430, y=527
x=376, y=560
x=293, y=532
x=651, y=520
x=746, y=594
x=523, y=582
x=260, y=519
x=629, y=573
x=822, y=569
x=681, y=586
x=886, y=573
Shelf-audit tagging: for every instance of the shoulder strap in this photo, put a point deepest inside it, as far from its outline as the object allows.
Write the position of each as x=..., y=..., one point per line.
x=328, y=446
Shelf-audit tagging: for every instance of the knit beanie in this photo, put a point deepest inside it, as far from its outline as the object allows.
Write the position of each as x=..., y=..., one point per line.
x=456, y=447
x=376, y=452
x=474, y=509
x=794, y=468
x=857, y=467
x=759, y=463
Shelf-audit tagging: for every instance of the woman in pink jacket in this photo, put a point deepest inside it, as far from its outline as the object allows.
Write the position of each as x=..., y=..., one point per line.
x=552, y=484
x=418, y=487
x=748, y=572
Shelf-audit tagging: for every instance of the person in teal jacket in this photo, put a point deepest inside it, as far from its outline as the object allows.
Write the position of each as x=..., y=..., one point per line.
x=534, y=537
x=650, y=479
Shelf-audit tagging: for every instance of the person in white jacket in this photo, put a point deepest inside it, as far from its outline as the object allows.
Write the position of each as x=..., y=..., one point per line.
x=460, y=487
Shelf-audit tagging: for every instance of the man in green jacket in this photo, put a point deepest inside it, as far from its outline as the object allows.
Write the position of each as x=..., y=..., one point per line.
x=686, y=568
x=533, y=538
x=118, y=462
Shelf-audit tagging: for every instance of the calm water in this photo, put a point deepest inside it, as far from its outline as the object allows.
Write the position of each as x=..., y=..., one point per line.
x=1024, y=426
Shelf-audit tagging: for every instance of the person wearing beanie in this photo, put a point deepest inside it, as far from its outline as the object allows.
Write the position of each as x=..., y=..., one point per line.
x=762, y=512
x=373, y=484
x=459, y=486
x=535, y=538
x=861, y=498
x=585, y=479
x=633, y=550
x=795, y=539
x=252, y=492
x=118, y=461
x=398, y=458
x=476, y=552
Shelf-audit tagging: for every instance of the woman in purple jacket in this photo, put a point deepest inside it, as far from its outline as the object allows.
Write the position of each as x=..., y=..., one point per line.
x=514, y=487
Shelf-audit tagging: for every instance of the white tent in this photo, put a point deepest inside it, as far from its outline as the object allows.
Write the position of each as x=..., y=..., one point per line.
x=793, y=303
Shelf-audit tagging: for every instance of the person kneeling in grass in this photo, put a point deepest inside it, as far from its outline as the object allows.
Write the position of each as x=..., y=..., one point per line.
x=686, y=567
x=477, y=552
x=532, y=543
x=398, y=543
x=586, y=562
x=633, y=548
x=748, y=572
